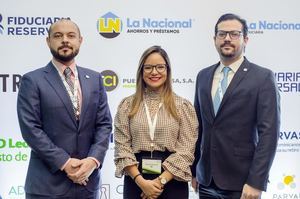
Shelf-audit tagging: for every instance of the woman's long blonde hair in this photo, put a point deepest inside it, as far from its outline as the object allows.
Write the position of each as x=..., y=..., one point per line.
x=167, y=93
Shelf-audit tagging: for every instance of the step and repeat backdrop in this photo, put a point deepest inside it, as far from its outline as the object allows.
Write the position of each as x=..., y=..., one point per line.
x=115, y=35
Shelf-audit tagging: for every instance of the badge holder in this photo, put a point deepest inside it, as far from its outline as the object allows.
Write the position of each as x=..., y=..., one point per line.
x=151, y=165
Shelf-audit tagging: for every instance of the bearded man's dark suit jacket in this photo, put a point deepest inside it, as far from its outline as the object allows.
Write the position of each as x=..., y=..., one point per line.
x=238, y=144
x=49, y=126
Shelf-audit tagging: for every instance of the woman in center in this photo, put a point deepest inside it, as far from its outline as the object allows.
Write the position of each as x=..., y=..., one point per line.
x=155, y=134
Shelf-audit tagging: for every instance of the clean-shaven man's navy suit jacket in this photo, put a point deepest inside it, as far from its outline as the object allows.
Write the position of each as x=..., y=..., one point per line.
x=238, y=144
x=49, y=126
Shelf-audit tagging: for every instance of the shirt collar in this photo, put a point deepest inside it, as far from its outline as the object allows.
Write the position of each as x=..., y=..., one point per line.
x=61, y=67
x=234, y=66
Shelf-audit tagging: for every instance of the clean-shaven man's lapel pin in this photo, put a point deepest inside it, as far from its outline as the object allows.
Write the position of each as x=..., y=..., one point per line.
x=245, y=69
x=86, y=76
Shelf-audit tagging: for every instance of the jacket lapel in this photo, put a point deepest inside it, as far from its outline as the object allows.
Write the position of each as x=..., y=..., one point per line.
x=210, y=74
x=240, y=74
x=53, y=78
x=85, y=85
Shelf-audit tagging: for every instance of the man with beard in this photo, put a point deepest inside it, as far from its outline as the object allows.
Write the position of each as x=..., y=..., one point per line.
x=237, y=104
x=65, y=119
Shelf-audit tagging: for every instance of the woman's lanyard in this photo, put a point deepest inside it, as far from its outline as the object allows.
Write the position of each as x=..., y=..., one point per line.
x=152, y=125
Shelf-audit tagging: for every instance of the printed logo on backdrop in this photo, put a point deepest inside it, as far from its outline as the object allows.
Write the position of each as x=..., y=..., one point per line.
x=288, y=82
x=110, y=80
x=110, y=25
x=1, y=32
x=119, y=189
x=105, y=191
x=261, y=26
x=287, y=188
x=16, y=192
x=288, y=181
x=131, y=82
x=26, y=25
x=13, y=150
x=9, y=82
x=289, y=142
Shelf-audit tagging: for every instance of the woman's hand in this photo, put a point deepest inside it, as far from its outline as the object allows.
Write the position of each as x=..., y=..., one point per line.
x=151, y=188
